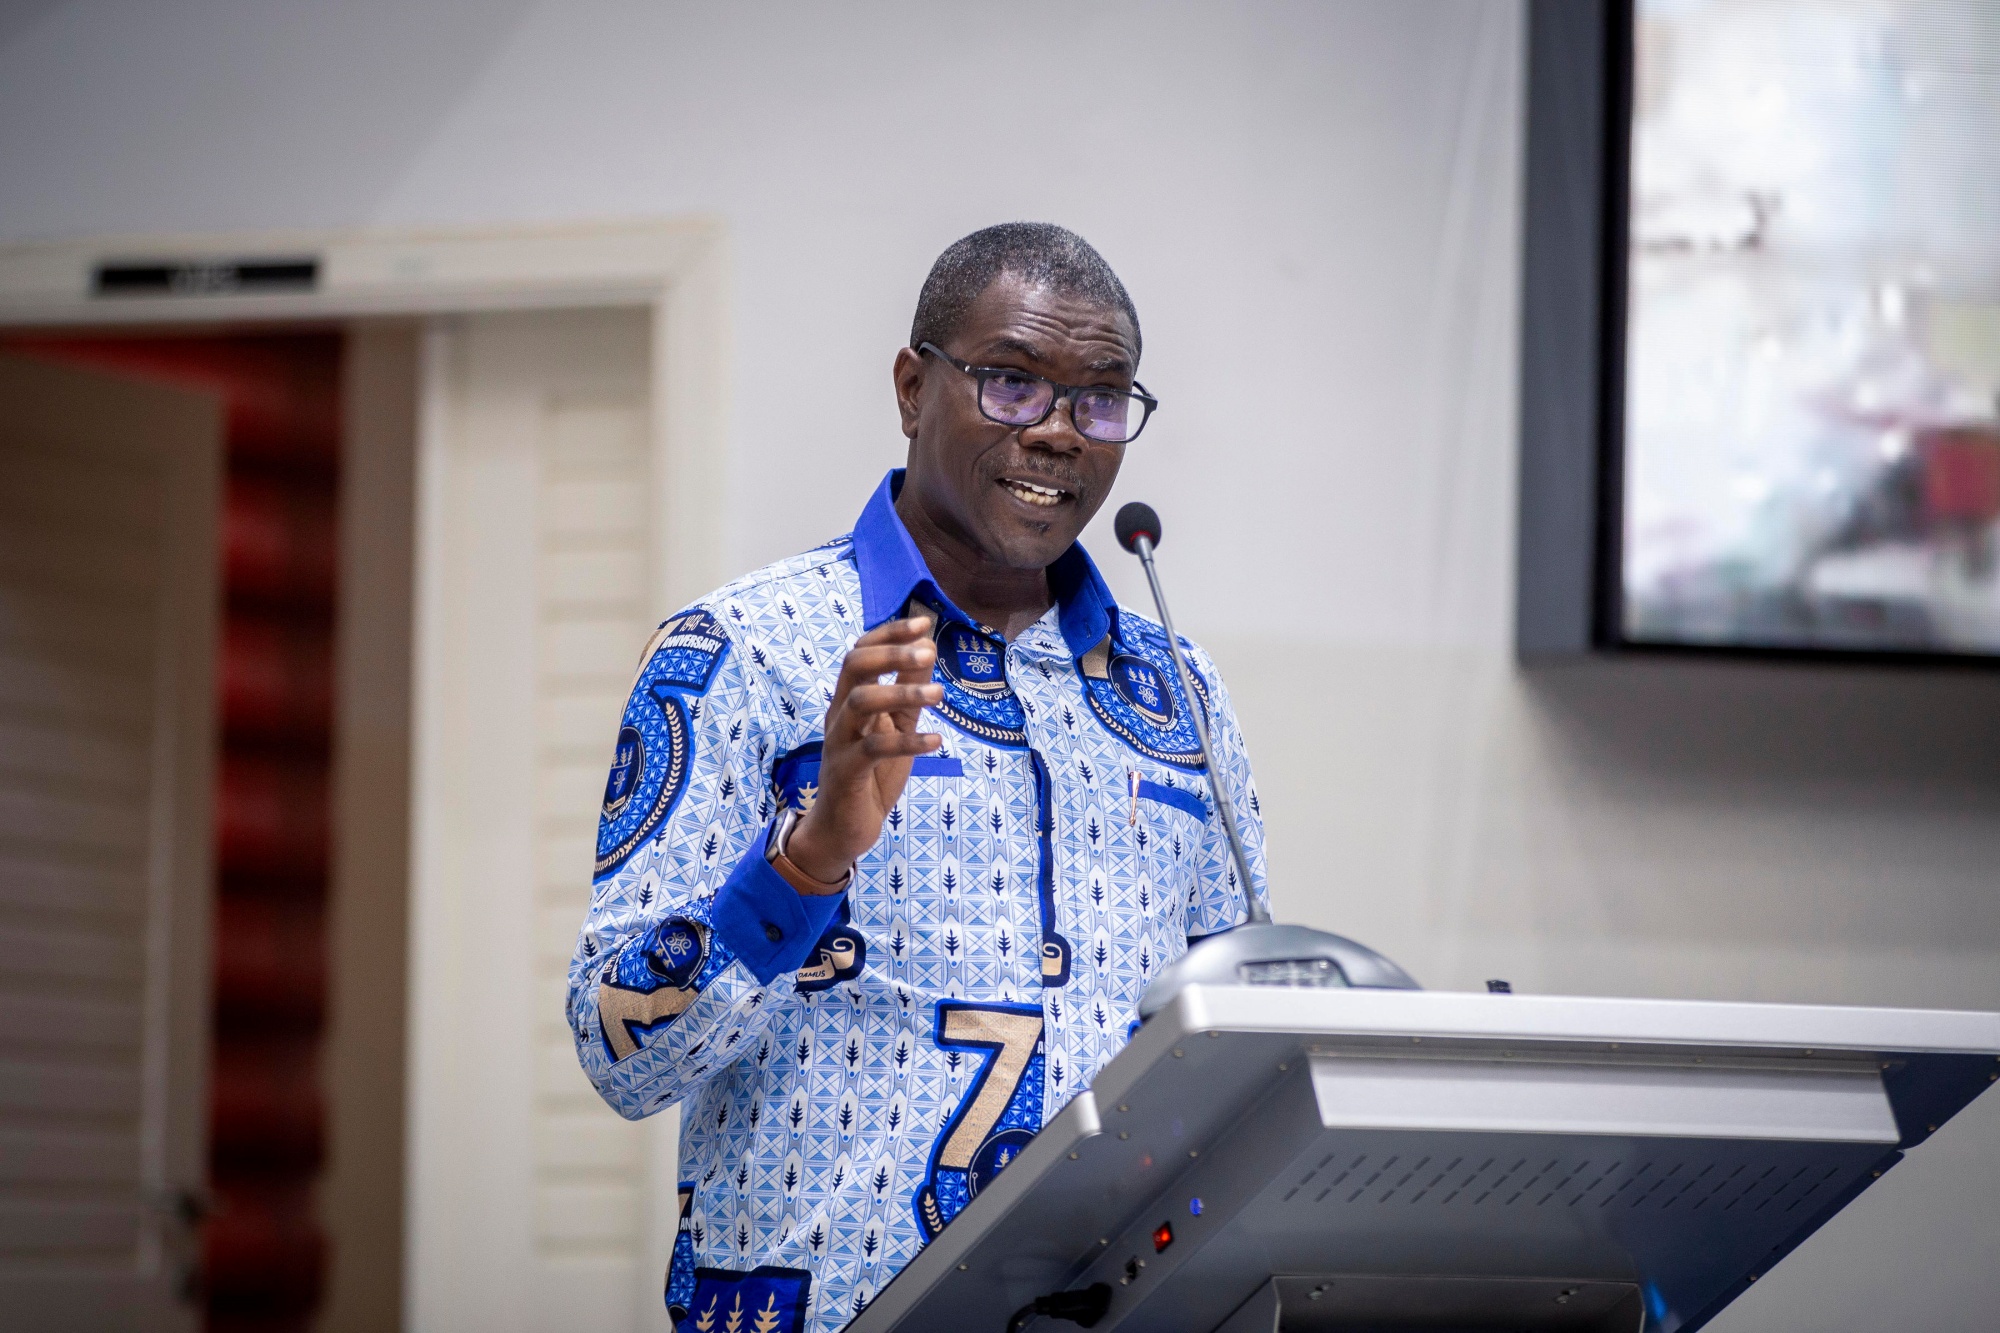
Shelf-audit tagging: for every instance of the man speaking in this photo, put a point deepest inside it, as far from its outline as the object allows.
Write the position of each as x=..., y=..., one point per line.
x=898, y=830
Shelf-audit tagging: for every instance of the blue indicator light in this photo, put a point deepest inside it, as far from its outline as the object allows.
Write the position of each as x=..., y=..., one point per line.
x=1194, y=1207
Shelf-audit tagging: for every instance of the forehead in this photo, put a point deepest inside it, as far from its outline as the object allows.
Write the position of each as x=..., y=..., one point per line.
x=1046, y=328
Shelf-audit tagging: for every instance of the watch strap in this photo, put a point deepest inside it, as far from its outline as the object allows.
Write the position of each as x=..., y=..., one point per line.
x=774, y=852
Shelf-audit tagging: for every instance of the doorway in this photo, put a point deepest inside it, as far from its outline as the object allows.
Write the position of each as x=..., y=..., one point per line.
x=262, y=1259
x=398, y=1131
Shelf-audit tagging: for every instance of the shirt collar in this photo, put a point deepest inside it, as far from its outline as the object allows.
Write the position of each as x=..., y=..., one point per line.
x=892, y=569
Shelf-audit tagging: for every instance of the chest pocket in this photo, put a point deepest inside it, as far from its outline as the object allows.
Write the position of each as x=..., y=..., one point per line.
x=1167, y=830
x=1146, y=790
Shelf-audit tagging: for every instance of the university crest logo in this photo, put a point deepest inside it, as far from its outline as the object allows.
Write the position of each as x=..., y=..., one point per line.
x=973, y=661
x=628, y=762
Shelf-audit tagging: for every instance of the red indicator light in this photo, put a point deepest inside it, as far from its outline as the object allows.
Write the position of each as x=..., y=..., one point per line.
x=1163, y=1236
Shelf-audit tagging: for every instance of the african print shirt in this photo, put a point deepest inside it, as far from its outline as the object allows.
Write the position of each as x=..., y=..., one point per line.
x=852, y=1069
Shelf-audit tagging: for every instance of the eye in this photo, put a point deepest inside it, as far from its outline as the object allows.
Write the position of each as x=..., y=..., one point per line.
x=1011, y=387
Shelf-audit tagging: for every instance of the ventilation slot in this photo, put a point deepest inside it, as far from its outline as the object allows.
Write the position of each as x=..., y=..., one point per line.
x=1688, y=1184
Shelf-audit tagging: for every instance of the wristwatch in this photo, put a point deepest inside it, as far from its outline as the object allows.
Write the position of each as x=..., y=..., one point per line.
x=774, y=852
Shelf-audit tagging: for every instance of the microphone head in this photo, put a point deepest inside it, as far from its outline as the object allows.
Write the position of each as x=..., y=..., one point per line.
x=1135, y=520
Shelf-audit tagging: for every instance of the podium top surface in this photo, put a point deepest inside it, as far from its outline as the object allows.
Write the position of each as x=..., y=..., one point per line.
x=1227, y=1076
x=1568, y=1019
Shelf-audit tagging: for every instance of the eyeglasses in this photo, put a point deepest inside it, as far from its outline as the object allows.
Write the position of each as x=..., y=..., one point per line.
x=1016, y=398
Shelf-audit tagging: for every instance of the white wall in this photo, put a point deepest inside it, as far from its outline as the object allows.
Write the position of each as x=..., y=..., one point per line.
x=1315, y=208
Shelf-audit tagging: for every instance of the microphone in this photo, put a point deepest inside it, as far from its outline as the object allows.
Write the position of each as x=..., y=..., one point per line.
x=1134, y=521
x=1138, y=529
x=1260, y=952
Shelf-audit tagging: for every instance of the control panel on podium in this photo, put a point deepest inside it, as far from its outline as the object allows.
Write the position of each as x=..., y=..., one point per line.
x=1269, y=1158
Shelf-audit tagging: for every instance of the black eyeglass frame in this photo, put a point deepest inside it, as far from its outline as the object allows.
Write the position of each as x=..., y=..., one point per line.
x=1062, y=391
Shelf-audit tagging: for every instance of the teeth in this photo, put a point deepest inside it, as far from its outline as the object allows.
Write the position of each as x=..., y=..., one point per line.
x=1033, y=494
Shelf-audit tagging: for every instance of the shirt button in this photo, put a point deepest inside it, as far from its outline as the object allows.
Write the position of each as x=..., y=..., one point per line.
x=772, y=933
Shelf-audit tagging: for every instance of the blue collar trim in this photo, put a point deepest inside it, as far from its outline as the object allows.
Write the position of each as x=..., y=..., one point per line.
x=892, y=570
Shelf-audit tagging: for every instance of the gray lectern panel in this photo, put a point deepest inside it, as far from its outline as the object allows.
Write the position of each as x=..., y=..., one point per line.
x=1402, y=1153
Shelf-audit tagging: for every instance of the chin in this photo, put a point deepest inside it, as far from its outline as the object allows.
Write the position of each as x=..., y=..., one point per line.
x=1038, y=553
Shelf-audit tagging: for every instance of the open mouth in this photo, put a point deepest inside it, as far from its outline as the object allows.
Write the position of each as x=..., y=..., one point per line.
x=1035, y=493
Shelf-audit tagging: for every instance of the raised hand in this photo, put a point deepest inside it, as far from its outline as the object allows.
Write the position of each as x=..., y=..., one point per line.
x=871, y=741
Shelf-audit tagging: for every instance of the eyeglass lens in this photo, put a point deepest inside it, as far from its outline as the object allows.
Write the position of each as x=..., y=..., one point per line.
x=1104, y=415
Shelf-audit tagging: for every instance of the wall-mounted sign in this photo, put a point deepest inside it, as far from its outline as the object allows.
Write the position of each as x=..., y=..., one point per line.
x=204, y=277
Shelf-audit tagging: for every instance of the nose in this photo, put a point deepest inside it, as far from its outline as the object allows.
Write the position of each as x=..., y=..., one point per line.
x=1057, y=431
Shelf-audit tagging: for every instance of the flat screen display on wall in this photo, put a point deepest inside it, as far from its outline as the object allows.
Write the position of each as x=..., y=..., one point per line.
x=1811, y=393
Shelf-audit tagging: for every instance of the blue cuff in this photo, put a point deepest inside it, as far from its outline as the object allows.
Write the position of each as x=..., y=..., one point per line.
x=770, y=926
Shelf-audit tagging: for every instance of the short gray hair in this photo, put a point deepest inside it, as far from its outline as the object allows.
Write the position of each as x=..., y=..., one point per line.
x=1039, y=252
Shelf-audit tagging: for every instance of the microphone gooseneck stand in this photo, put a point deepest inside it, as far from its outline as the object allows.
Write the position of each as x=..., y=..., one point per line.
x=1141, y=545
x=1261, y=952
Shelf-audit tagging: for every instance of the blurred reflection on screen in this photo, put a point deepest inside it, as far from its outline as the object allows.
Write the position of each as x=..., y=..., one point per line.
x=1812, y=455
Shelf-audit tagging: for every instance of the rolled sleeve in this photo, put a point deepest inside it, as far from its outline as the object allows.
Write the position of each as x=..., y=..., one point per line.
x=770, y=926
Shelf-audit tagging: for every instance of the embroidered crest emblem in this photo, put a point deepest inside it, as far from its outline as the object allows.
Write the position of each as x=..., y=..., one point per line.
x=1132, y=689
x=646, y=988
x=972, y=667
x=653, y=781
x=976, y=662
x=628, y=763
x=1140, y=684
x=677, y=956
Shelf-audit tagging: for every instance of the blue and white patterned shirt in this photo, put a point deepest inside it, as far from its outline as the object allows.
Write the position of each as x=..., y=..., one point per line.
x=853, y=1068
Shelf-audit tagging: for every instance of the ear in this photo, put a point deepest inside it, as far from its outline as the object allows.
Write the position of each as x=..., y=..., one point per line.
x=908, y=374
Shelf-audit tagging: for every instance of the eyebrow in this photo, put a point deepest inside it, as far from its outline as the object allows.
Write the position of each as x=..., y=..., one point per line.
x=1103, y=365
x=1018, y=346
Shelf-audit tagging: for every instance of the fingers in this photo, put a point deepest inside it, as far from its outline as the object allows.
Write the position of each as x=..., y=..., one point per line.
x=866, y=701
x=901, y=646
x=899, y=744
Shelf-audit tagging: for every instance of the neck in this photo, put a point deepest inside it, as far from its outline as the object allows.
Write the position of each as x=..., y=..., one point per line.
x=996, y=595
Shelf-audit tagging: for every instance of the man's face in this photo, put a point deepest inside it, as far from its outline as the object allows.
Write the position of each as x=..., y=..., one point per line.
x=973, y=477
